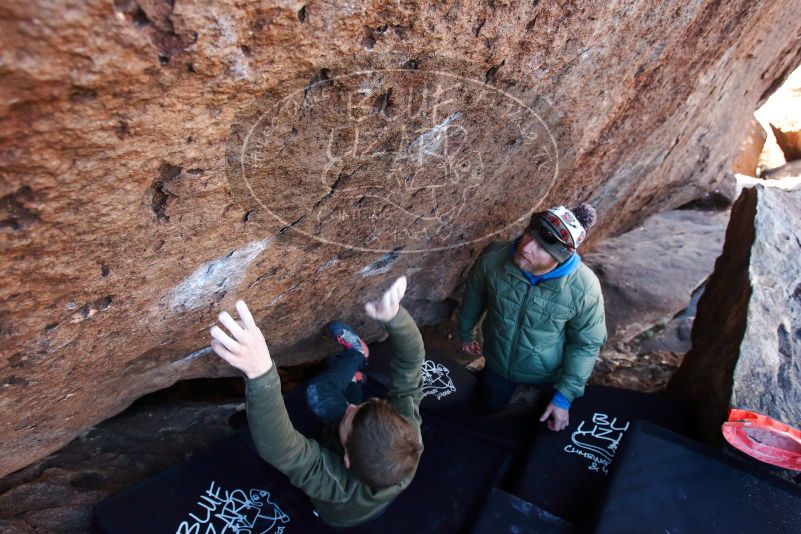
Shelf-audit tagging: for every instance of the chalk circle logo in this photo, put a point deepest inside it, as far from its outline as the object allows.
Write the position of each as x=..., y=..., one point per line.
x=437, y=380
x=392, y=155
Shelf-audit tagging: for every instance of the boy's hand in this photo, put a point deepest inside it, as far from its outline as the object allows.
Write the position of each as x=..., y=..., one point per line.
x=247, y=351
x=386, y=308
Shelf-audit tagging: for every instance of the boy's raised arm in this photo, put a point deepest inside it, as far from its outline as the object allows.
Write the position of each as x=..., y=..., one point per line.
x=406, y=385
x=302, y=460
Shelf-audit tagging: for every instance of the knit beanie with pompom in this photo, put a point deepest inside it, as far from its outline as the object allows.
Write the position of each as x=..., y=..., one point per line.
x=560, y=231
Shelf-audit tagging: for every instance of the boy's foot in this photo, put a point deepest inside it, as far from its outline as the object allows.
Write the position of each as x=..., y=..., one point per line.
x=347, y=337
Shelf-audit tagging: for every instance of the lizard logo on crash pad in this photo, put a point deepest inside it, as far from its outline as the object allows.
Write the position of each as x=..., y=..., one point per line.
x=437, y=380
x=235, y=512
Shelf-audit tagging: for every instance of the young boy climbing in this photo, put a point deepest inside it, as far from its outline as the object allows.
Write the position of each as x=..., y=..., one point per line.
x=373, y=457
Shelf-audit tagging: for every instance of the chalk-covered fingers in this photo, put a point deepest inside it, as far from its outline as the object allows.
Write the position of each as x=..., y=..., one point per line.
x=224, y=339
x=386, y=308
x=394, y=294
x=244, y=314
x=245, y=347
x=223, y=353
x=235, y=328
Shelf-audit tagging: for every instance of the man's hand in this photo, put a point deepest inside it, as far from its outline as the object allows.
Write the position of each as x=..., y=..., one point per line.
x=247, y=351
x=471, y=347
x=386, y=308
x=559, y=418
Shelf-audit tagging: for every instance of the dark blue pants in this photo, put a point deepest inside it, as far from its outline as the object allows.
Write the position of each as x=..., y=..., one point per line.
x=329, y=394
x=495, y=391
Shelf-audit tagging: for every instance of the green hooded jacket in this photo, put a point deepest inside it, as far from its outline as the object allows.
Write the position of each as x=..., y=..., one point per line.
x=548, y=332
x=341, y=499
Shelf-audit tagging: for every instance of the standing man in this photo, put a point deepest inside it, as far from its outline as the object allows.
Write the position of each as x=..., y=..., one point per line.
x=544, y=309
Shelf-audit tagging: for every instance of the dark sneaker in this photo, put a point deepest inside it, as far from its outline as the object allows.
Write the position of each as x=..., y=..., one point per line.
x=347, y=337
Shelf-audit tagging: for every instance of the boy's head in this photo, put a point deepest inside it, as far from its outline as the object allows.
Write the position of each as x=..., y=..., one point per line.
x=380, y=445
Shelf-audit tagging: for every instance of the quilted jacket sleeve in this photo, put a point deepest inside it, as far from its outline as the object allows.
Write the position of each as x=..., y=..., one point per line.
x=308, y=466
x=584, y=336
x=473, y=301
x=406, y=387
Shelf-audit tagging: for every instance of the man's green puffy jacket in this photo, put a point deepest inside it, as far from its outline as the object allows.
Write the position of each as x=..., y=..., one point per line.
x=548, y=332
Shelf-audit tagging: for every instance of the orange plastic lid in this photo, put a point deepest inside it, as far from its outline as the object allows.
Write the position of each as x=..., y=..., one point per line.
x=763, y=438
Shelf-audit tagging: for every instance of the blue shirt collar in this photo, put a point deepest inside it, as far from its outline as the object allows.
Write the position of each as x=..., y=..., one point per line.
x=565, y=268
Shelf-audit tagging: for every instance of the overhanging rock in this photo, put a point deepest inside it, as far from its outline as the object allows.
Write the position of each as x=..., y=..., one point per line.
x=124, y=232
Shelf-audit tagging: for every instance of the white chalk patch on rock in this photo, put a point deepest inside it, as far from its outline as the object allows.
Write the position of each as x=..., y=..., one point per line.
x=219, y=274
x=427, y=143
x=205, y=351
x=372, y=270
x=382, y=264
x=327, y=265
x=227, y=43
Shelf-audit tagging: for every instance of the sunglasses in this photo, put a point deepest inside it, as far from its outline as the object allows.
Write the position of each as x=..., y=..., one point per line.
x=544, y=234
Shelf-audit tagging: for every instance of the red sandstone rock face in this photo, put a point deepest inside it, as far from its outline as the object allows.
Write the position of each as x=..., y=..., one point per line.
x=127, y=222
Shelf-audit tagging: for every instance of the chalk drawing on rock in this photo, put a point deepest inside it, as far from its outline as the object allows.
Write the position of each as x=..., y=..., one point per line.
x=428, y=180
x=235, y=512
x=597, y=441
x=437, y=380
x=377, y=154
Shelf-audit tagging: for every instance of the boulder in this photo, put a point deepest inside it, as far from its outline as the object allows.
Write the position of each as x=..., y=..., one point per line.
x=161, y=160
x=746, y=340
x=788, y=181
x=747, y=159
x=789, y=141
x=649, y=274
x=781, y=118
x=649, y=322
x=790, y=170
x=673, y=338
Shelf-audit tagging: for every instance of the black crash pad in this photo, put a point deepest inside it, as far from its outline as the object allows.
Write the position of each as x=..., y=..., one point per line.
x=231, y=485
x=454, y=478
x=565, y=472
x=506, y=513
x=451, y=398
x=444, y=381
x=225, y=489
x=664, y=482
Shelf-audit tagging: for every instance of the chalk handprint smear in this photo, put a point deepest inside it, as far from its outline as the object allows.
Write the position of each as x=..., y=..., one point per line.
x=235, y=512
